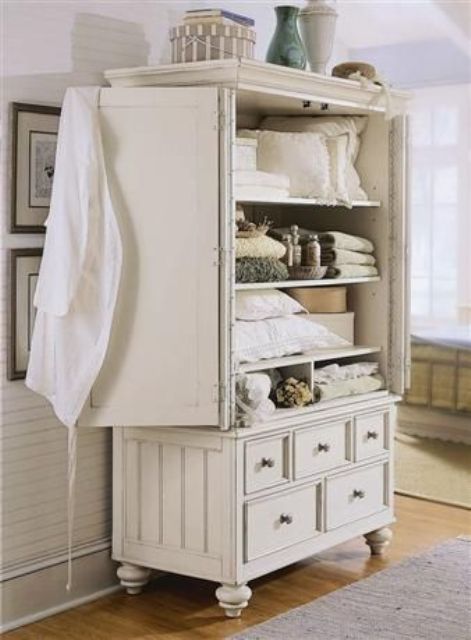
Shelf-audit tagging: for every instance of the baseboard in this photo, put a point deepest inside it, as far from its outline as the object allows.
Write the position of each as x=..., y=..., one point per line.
x=418, y=496
x=428, y=423
x=37, y=595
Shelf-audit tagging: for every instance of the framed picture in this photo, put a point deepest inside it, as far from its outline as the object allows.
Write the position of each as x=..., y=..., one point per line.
x=34, y=145
x=24, y=271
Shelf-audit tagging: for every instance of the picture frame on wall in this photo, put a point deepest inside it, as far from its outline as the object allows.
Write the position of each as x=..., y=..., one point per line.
x=24, y=272
x=34, y=143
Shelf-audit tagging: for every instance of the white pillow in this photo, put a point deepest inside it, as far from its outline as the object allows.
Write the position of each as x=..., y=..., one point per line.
x=339, y=163
x=331, y=127
x=303, y=157
x=279, y=337
x=265, y=303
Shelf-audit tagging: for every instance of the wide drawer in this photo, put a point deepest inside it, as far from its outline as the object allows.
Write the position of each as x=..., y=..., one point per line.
x=371, y=435
x=321, y=448
x=266, y=463
x=356, y=494
x=280, y=521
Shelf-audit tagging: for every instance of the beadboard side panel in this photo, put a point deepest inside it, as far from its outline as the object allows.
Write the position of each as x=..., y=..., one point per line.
x=168, y=513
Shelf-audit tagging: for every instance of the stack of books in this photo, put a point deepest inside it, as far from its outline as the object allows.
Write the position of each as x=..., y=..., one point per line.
x=217, y=16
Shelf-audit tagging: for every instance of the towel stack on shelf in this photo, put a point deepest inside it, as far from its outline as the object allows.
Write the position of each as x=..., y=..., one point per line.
x=347, y=256
x=258, y=257
x=337, y=381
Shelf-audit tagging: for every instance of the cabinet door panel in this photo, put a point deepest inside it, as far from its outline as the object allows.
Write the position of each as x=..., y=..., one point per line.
x=162, y=365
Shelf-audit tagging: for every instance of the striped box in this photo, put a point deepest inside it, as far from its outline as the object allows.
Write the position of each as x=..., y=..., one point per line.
x=195, y=42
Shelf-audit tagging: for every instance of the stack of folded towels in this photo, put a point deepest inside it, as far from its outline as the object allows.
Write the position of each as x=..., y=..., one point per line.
x=347, y=256
x=258, y=257
x=337, y=381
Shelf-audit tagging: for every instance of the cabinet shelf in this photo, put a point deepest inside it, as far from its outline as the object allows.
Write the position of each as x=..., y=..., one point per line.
x=297, y=412
x=312, y=202
x=317, y=356
x=287, y=284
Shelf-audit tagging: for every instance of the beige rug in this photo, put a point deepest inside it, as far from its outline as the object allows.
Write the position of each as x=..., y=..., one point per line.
x=433, y=469
x=423, y=598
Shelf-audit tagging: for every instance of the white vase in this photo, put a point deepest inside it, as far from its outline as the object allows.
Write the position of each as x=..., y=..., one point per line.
x=317, y=26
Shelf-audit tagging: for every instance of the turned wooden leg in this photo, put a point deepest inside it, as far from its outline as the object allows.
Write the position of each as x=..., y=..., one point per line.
x=233, y=598
x=378, y=540
x=133, y=577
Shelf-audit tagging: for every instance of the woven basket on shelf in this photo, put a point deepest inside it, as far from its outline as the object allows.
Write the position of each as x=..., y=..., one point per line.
x=307, y=273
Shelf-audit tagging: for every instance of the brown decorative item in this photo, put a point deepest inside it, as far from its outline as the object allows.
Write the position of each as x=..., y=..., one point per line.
x=246, y=229
x=34, y=141
x=24, y=271
x=346, y=69
x=292, y=393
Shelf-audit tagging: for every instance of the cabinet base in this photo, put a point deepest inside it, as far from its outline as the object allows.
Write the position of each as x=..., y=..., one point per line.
x=133, y=577
x=378, y=540
x=233, y=598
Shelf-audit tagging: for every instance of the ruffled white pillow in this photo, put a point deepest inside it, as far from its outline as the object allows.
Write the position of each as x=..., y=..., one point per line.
x=303, y=157
x=265, y=303
x=279, y=337
x=331, y=127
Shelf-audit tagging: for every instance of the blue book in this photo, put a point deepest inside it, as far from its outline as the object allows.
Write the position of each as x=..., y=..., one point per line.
x=220, y=13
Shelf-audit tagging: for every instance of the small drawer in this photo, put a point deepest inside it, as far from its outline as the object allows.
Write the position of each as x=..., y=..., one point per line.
x=266, y=463
x=371, y=435
x=321, y=448
x=354, y=495
x=280, y=521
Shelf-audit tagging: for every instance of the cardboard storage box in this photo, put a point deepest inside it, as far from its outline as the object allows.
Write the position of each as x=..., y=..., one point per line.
x=342, y=324
x=321, y=299
x=193, y=42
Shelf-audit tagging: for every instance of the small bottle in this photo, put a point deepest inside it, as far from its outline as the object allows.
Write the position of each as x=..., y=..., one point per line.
x=312, y=251
x=297, y=252
x=288, y=257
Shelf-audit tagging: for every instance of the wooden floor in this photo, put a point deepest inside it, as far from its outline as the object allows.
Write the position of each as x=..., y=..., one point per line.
x=177, y=607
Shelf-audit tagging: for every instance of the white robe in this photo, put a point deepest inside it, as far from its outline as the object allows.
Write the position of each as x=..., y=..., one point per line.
x=79, y=275
x=81, y=265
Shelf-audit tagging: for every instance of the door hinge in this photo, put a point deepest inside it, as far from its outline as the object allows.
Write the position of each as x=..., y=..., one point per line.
x=220, y=393
x=220, y=259
x=222, y=120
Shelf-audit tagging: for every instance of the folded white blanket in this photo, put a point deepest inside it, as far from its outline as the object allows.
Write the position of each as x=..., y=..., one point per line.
x=259, y=247
x=254, y=192
x=338, y=240
x=336, y=257
x=343, y=388
x=351, y=271
x=336, y=372
x=261, y=179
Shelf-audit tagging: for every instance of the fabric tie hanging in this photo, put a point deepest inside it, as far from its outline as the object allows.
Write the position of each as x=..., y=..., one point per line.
x=79, y=275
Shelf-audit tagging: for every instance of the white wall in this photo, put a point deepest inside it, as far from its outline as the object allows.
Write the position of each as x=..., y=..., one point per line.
x=50, y=46
x=47, y=47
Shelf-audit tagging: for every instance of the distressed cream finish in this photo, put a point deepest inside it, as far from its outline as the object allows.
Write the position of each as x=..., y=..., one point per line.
x=230, y=504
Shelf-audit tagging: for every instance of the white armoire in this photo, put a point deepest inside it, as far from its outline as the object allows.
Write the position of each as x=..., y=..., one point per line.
x=195, y=490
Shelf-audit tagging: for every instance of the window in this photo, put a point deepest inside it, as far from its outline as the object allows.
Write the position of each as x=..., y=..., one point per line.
x=441, y=206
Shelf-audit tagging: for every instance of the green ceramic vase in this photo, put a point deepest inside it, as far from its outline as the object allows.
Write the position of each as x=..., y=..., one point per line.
x=286, y=47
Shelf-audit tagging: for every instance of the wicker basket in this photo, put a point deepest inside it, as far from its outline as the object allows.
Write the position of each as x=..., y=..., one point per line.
x=307, y=273
x=194, y=42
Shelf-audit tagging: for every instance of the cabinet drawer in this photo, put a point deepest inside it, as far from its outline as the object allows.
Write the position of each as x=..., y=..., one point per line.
x=279, y=521
x=266, y=463
x=371, y=435
x=321, y=448
x=355, y=495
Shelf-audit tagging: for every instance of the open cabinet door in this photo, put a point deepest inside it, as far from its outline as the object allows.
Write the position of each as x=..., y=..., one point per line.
x=399, y=370
x=162, y=365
